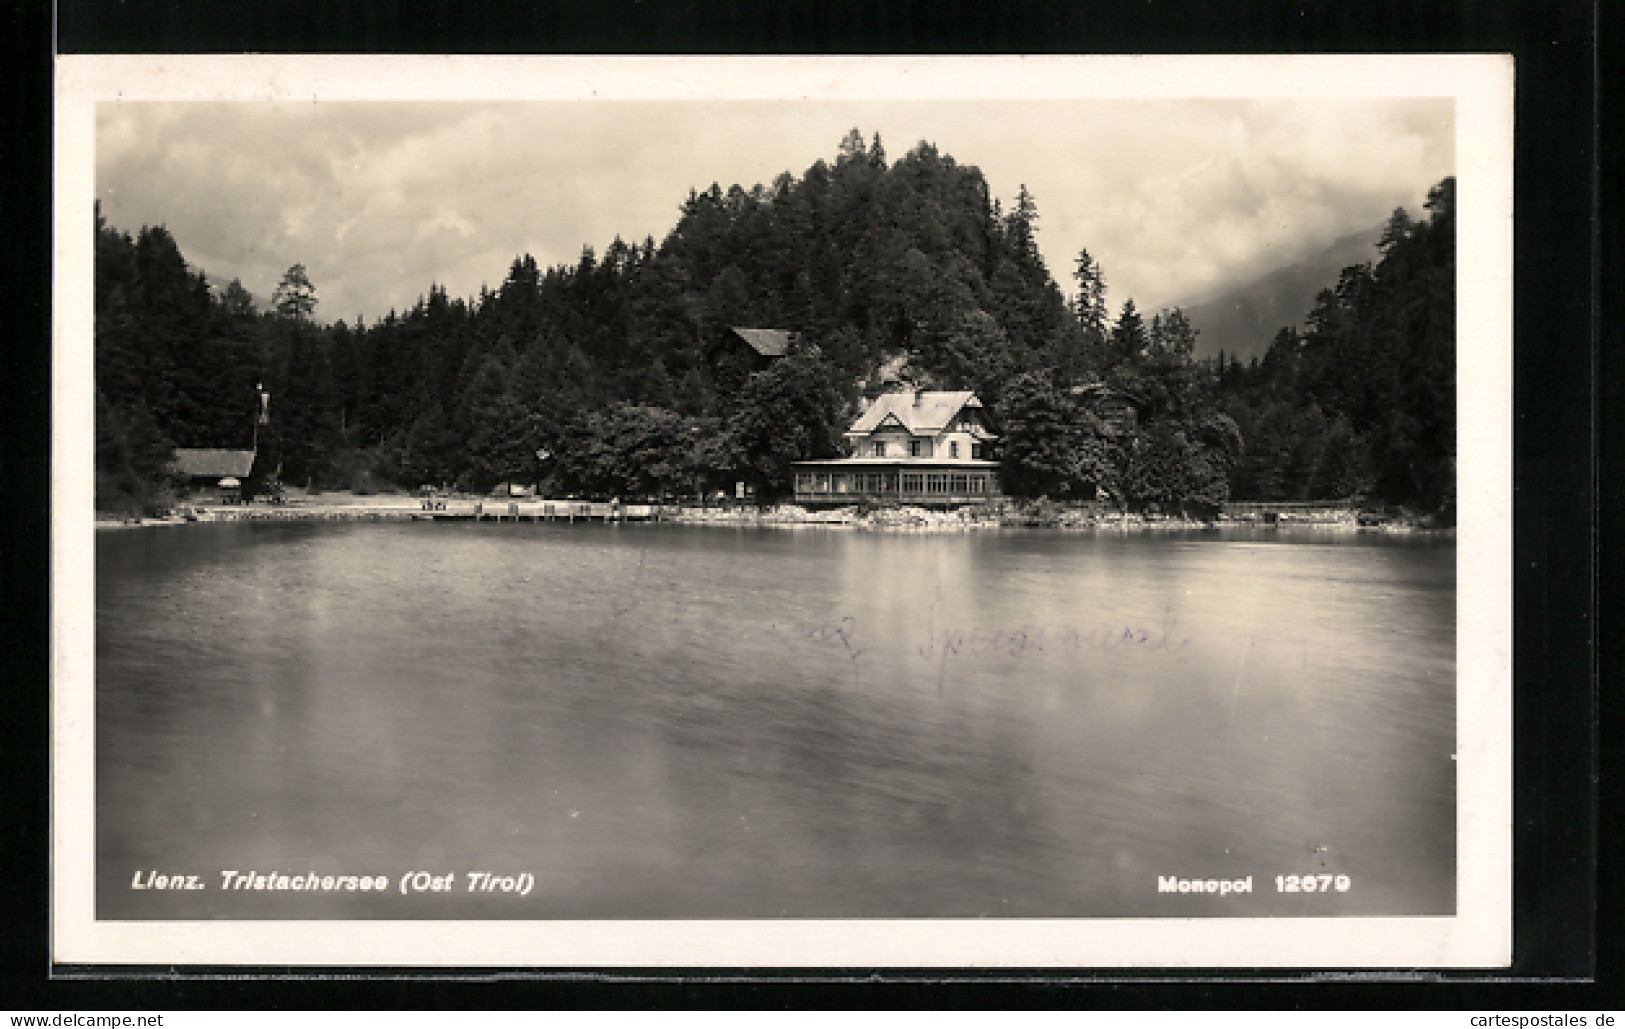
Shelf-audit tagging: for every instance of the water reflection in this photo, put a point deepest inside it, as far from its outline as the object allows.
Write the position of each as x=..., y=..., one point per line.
x=661, y=721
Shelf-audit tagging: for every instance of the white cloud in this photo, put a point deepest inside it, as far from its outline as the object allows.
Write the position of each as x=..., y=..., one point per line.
x=381, y=199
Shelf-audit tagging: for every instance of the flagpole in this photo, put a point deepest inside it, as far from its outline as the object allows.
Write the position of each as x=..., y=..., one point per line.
x=263, y=415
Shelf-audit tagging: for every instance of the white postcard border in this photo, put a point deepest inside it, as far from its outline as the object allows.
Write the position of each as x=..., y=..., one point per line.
x=1479, y=935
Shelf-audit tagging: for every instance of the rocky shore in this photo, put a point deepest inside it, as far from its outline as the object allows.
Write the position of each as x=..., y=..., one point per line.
x=1010, y=515
x=1041, y=515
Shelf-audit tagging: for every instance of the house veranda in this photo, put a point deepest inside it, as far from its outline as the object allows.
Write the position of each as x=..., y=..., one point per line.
x=853, y=480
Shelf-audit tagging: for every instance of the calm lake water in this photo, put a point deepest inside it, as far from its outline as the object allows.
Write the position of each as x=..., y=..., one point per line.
x=661, y=721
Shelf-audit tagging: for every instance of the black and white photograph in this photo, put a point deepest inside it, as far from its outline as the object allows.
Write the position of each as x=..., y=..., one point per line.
x=783, y=511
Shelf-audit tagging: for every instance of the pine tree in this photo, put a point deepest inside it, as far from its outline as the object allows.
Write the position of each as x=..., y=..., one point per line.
x=1129, y=340
x=1090, y=305
x=295, y=296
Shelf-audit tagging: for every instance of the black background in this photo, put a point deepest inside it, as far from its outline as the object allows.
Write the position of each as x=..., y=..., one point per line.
x=1564, y=457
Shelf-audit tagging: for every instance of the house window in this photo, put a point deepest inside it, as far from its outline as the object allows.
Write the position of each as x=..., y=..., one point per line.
x=913, y=482
x=976, y=451
x=878, y=448
x=953, y=448
x=804, y=483
x=913, y=448
x=958, y=485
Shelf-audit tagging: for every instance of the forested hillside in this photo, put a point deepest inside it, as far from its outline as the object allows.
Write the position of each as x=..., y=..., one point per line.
x=619, y=373
x=1363, y=399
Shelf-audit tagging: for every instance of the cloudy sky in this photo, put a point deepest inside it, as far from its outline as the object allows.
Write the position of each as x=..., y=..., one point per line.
x=1175, y=198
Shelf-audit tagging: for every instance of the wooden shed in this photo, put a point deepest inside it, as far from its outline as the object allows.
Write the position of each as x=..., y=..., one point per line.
x=212, y=472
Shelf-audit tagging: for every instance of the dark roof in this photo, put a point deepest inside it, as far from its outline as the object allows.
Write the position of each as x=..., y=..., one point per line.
x=767, y=342
x=210, y=463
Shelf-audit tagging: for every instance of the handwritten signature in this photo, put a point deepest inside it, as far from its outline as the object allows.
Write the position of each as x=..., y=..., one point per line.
x=941, y=645
x=951, y=642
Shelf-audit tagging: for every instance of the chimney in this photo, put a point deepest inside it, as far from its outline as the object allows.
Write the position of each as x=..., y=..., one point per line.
x=918, y=393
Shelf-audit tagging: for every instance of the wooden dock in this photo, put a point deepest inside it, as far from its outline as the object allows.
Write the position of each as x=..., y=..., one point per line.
x=539, y=511
x=419, y=509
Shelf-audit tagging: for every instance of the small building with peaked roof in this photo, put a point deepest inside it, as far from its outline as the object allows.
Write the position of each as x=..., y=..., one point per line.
x=910, y=447
x=210, y=470
x=738, y=352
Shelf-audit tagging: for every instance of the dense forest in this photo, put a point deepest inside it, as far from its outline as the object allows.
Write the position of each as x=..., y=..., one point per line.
x=619, y=374
x=1362, y=401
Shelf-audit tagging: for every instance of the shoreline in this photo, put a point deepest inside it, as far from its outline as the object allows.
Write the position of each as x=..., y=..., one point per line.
x=392, y=508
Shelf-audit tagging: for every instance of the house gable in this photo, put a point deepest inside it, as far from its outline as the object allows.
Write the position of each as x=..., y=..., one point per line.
x=941, y=421
x=922, y=412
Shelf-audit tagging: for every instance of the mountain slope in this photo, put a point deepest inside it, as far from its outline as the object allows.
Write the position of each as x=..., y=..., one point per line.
x=1243, y=321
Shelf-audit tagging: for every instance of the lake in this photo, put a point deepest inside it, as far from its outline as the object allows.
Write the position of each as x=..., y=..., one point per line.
x=669, y=721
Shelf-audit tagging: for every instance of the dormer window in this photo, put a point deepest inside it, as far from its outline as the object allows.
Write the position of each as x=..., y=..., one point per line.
x=953, y=448
x=913, y=448
x=878, y=448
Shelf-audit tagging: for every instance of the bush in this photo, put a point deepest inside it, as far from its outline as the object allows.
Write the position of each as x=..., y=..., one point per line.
x=362, y=472
x=129, y=497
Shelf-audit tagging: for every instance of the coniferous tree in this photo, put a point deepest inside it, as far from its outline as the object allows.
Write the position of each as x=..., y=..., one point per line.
x=1090, y=306
x=1129, y=340
x=295, y=296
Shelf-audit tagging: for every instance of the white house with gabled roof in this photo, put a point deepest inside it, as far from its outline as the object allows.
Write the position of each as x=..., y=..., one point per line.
x=911, y=446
